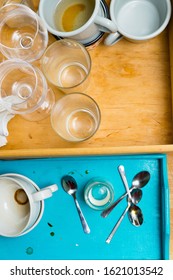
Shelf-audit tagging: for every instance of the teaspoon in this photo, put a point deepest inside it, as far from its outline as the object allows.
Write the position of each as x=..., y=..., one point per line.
x=135, y=216
x=70, y=186
x=134, y=212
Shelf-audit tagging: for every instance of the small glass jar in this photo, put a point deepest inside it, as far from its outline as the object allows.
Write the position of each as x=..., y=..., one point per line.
x=98, y=193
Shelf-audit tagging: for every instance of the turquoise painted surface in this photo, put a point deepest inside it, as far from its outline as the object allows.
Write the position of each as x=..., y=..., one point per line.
x=59, y=234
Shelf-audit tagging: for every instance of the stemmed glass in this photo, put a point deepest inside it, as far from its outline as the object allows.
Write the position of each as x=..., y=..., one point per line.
x=24, y=90
x=22, y=33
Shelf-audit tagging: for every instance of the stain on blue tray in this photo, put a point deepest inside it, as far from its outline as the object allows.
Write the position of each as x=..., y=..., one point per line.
x=59, y=234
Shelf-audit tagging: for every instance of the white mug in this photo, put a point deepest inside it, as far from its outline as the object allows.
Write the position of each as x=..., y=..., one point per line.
x=21, y=204
x=138, y=20
x=83, y=34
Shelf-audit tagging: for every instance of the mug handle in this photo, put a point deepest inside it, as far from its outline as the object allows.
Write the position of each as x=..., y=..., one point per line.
x=53, y=188
x=44, y=193
x=105, y=24
x=112, y=39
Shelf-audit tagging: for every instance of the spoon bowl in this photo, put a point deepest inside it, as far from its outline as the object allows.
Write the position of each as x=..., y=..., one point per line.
x=136, y=195
x=69, y=185
x=140, y=179
x=135, y=215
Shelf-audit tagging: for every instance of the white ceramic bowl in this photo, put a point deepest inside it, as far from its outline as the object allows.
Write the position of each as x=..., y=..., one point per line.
x=18, y=219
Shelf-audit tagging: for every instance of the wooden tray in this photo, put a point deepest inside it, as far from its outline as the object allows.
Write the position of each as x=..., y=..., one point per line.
x=132, y=85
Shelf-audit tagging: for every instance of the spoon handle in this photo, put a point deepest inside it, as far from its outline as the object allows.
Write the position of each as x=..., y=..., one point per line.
x=108, y=240
x=124, y=179
x=107, y=211
x=82, y=218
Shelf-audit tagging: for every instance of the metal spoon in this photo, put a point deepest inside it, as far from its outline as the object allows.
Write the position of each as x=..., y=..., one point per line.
x=139, y=181
x=135, y=216
x=70, y=186
x=134, y=210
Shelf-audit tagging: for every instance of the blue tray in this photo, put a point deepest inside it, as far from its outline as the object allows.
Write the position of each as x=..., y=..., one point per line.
x=59, y=234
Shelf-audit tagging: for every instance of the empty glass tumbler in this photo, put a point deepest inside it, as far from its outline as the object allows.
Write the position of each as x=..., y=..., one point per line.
x=98, y=193
x=24, y=90
x=67, y=64
x=75, y=117
x=22, y=33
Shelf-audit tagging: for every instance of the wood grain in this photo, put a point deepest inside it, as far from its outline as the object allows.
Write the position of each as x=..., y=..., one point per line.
x=131, y=84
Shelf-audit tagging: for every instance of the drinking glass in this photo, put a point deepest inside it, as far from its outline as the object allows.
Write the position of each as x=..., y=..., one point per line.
x=22, y=33
x=24, y=90
x=98, y=193
x=67, y=64
x=75, y=117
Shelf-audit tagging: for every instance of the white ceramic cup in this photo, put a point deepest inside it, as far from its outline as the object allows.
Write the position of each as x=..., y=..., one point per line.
x=138, y=20
x=24, y=179
x=21, y=206
x=85, y=33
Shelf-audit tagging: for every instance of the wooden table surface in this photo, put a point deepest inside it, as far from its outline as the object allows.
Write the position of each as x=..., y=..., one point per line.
x=140, y=70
